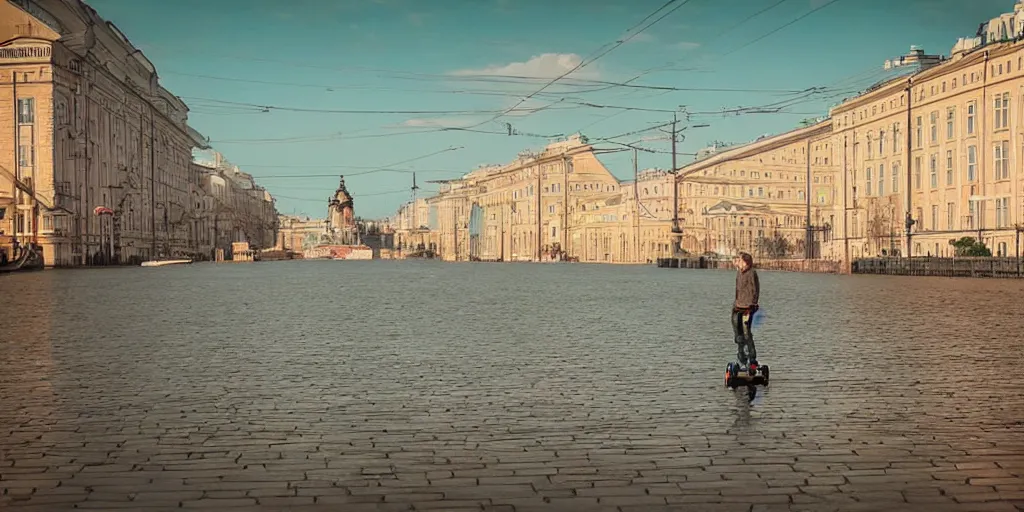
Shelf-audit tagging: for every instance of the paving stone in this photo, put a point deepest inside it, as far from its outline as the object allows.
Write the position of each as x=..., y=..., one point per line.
x=221, y=416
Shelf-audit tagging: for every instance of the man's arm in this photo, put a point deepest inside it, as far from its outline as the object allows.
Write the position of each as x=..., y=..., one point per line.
x=757, y=289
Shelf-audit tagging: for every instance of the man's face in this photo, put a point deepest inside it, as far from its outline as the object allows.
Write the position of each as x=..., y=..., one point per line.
x=740, y=264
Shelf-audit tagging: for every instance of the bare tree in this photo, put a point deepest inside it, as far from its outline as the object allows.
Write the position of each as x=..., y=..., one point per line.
x=880, y=223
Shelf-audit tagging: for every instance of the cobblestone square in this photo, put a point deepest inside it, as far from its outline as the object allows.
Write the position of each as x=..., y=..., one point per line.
x=406, y=404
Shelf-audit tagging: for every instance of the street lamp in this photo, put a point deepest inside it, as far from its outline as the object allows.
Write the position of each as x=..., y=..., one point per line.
x=909, y=223
x=1018, y=229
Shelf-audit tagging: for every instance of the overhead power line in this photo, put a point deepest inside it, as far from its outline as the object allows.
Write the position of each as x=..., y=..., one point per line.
x=317, y=200
x=347, y=175
x=268, y=108
x=383, y=168
x=797, y=19
x=606, y=84
x=587, y=61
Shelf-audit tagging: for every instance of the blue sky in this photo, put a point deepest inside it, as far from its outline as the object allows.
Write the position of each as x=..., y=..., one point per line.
x=447, y=59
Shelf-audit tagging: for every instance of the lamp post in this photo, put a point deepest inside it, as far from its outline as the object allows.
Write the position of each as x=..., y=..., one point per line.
x=1018, y=228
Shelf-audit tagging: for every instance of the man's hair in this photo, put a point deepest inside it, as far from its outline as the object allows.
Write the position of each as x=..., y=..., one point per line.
x=747, y=258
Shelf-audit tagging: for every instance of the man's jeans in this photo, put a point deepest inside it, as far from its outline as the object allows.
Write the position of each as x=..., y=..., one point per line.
x=745, y=351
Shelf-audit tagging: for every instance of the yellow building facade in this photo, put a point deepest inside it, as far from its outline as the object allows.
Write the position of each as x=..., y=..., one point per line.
x=940, y=147
x=944, y=145
x=88, y=126
x=556, y=204
x=759, y=197
x=299, y=233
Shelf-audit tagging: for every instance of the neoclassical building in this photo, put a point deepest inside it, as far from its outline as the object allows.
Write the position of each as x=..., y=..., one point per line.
x=91, y=128
x=942, y=145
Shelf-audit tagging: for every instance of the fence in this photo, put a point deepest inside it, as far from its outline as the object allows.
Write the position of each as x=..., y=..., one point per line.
x=815, y=266
x=941, y=267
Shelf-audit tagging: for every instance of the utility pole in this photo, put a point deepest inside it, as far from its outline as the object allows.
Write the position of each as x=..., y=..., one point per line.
x=846, y=209
x=17, y=160
x=539, y=231
x=414, y=188
x=676, y=230
x=808, y=242
x=636, y=206
x=910, y=135
x=565, y=205
x=152, y=180
x=1016, y=244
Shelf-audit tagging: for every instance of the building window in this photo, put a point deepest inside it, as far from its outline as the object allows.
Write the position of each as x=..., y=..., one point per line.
x=26, y=110
x=972, y=163
x=933, y=127
x=24, y=156
x=949, y=167
x=920, y=132
x=971, y=207
x=950, y=122
x=1002, y=212
x=895, y=178
x=1002, y=160
x=881, y=143
x=896, y=140
x=935, y=217
x=971, y=111
x=881, y=180
x=867, y=182
x=870, y=148
x=933, y=170
x=917, y=173
x=1002, y=111
x=950, y=216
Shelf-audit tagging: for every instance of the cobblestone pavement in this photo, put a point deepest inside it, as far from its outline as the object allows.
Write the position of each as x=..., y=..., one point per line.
x=123, y=406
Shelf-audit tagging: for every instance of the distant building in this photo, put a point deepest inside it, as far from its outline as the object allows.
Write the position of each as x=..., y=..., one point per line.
x=916, y=57
x=300, y=233
x=1003, y=28
x=341, y=222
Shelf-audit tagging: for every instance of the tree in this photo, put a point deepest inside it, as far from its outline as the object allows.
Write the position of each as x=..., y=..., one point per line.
x=880, y=228
x=968, y=246
x=774, y=247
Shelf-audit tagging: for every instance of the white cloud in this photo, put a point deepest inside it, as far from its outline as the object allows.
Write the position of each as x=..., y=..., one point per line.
x=687, y=45
x=547, y=65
